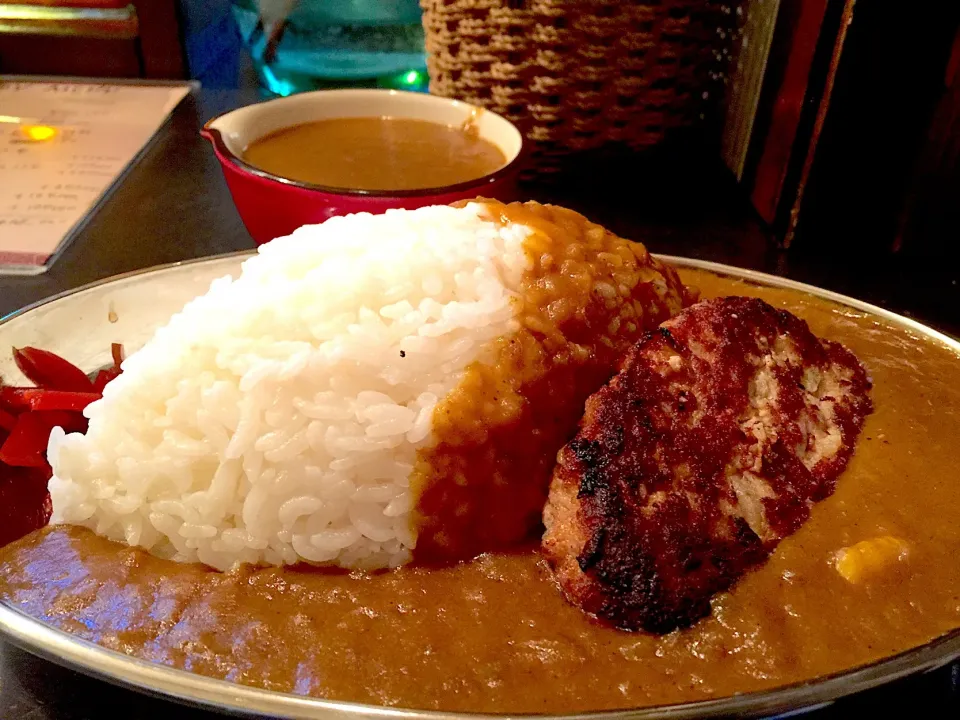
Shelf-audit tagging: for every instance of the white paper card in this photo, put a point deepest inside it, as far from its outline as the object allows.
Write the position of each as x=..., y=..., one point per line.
x=49, y=185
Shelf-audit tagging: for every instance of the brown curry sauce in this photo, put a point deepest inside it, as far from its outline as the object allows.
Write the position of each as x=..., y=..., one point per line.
x=586, y=298
x=495, y=634
x=376, y=153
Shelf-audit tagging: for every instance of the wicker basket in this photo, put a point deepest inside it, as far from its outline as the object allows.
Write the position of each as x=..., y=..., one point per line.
x=576, y=75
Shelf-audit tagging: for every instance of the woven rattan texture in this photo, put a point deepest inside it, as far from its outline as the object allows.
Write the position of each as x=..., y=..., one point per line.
x=578, y=74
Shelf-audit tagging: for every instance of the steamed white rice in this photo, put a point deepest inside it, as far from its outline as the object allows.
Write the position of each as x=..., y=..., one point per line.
x=277, y=418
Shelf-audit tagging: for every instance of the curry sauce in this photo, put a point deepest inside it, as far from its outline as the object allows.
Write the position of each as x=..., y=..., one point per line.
x=376, y=154
x=585, y=299
x=496, y=635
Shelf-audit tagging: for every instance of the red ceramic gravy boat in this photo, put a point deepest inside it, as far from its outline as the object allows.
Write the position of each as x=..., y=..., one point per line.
x=273, y=206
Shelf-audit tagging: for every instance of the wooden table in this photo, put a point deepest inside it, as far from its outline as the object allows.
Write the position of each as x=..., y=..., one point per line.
x=174, y=206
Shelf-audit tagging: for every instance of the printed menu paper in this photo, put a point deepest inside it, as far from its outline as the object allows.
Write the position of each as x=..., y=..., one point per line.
x=63, y=145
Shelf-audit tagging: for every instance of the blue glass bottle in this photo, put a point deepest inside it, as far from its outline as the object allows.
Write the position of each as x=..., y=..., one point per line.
x=299, y=45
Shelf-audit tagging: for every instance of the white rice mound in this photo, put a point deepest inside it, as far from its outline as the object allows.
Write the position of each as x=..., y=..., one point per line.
x=276, y=419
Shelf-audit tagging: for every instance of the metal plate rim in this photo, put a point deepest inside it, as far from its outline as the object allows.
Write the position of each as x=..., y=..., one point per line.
x=56, y=645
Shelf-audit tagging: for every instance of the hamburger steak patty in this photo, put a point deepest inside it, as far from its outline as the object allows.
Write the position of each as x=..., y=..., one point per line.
x=710, y=446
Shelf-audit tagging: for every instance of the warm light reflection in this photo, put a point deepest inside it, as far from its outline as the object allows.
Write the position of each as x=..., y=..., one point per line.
x=38, y=133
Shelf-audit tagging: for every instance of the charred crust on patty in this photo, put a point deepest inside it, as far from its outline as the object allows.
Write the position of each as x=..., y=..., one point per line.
x=711, y=445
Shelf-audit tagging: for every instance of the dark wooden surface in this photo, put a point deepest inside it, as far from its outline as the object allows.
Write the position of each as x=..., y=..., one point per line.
x=147, y=44
x=174, y=205
x=801, y=28
x=882, y=112
x=930, y=220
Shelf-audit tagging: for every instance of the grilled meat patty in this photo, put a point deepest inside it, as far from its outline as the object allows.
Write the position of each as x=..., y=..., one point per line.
x=710, y=446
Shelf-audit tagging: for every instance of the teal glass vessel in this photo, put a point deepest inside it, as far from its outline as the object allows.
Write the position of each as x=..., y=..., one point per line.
x=300, y=45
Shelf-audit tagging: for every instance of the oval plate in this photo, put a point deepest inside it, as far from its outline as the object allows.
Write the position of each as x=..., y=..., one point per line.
x=79, y=324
